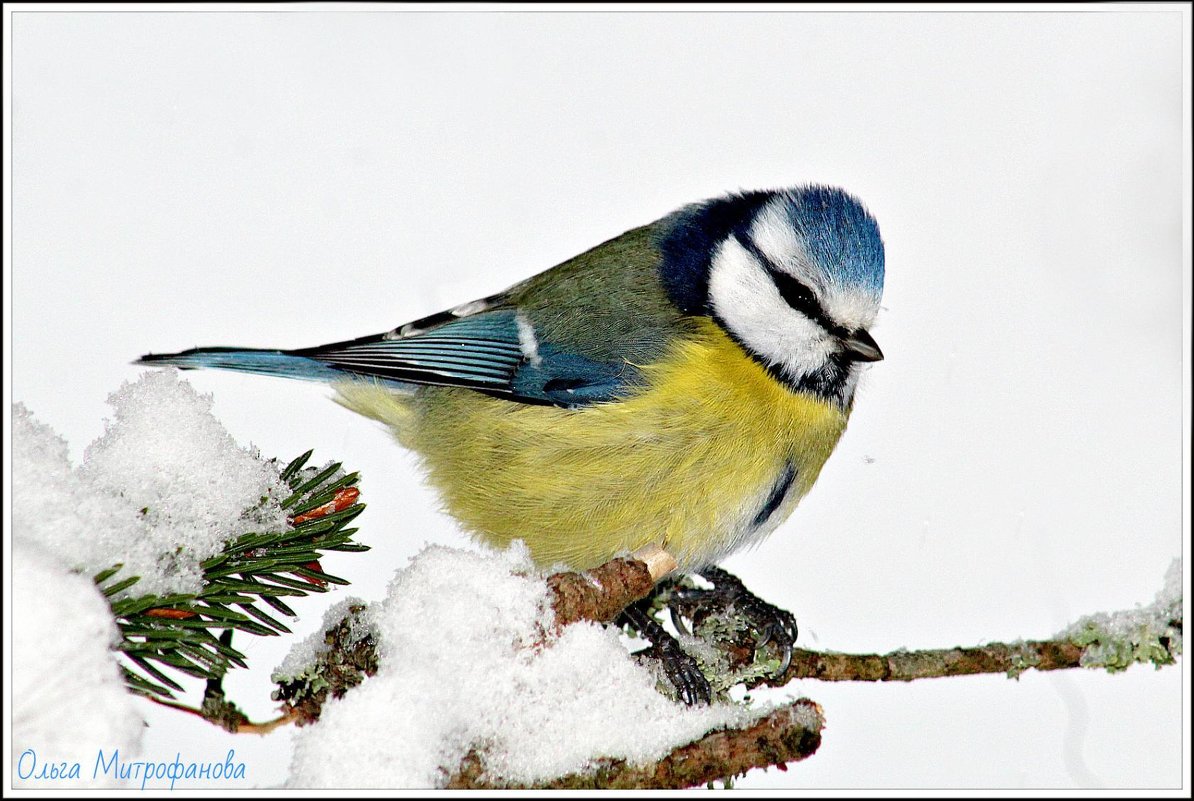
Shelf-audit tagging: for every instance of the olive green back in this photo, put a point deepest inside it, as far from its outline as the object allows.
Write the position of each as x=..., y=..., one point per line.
x=606, y=304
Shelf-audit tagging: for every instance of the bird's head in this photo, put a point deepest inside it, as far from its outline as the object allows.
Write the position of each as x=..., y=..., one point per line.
x=795, y=276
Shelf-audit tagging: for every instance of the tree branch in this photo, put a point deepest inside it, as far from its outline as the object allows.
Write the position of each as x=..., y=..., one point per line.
x=1158, y=645
x=236, y=725
x=789, y=734
x=936, y=663
x=600, y=594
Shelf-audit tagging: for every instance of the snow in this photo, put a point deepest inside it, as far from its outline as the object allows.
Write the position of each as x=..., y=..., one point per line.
x=161, y=490
x=468, y=660
x=56, y=508
x=69, y=700
x=1152, y=633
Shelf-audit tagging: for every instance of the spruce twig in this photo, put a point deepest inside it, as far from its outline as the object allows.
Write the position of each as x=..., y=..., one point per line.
x=161, y=634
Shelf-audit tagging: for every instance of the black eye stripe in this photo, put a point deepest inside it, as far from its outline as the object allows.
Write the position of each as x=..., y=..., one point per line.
x=795, y=292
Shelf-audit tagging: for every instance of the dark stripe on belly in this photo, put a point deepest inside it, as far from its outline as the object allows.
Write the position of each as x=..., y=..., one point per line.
x=777, y=495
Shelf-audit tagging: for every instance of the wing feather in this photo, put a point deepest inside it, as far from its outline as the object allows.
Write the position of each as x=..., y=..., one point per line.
x=481, y=351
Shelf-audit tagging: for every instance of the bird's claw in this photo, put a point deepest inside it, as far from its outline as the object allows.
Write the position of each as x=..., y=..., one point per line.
x=678, y=621
x=780, y=629
x=771, y=624
x=683, y=672
x=681, y=669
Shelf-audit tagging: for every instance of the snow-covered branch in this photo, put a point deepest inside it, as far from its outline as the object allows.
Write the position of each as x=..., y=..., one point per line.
x=788, y=734
x=477, y=670
x=1150, y=634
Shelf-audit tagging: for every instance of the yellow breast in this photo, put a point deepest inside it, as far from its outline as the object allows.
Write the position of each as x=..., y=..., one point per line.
x=689, y=461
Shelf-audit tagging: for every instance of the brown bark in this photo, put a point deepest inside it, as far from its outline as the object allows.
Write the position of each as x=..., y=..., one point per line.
x=910, y=665
x=788, y=734
x=601, y=593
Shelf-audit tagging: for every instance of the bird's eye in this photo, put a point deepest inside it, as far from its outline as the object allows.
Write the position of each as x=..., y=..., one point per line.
x=796, y=294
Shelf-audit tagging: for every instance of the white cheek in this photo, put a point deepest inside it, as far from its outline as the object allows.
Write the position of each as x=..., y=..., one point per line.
x=746, y=300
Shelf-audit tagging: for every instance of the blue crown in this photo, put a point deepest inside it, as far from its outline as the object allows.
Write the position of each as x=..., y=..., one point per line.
x=839, y=235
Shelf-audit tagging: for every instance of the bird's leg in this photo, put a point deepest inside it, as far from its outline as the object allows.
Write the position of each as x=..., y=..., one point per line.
x=680, y=668
x=770, y=623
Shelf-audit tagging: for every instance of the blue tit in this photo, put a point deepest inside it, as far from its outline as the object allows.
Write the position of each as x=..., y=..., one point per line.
x=678, y=386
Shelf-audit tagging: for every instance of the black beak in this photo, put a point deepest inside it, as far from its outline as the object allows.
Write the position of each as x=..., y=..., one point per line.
x=862, y=347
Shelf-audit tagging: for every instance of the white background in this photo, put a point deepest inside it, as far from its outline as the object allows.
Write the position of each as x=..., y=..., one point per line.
x=287, y=179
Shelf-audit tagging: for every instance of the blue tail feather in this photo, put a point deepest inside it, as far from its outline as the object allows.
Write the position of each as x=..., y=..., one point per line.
x=262, y=362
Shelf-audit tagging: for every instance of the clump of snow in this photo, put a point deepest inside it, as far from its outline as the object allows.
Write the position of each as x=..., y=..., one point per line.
x=163, y=489
x=55, y=508
x=68, y=697
x=1150, y=633
x=468, y=661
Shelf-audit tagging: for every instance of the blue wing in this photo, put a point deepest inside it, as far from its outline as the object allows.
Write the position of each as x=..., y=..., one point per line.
x=569, y=336
x=482, y=352
x=491, y=351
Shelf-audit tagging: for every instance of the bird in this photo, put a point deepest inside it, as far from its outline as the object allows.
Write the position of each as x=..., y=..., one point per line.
x=680, y=385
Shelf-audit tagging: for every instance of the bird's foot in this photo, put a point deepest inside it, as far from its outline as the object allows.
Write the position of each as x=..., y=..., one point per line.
x=681, y=669
x=770, y=623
